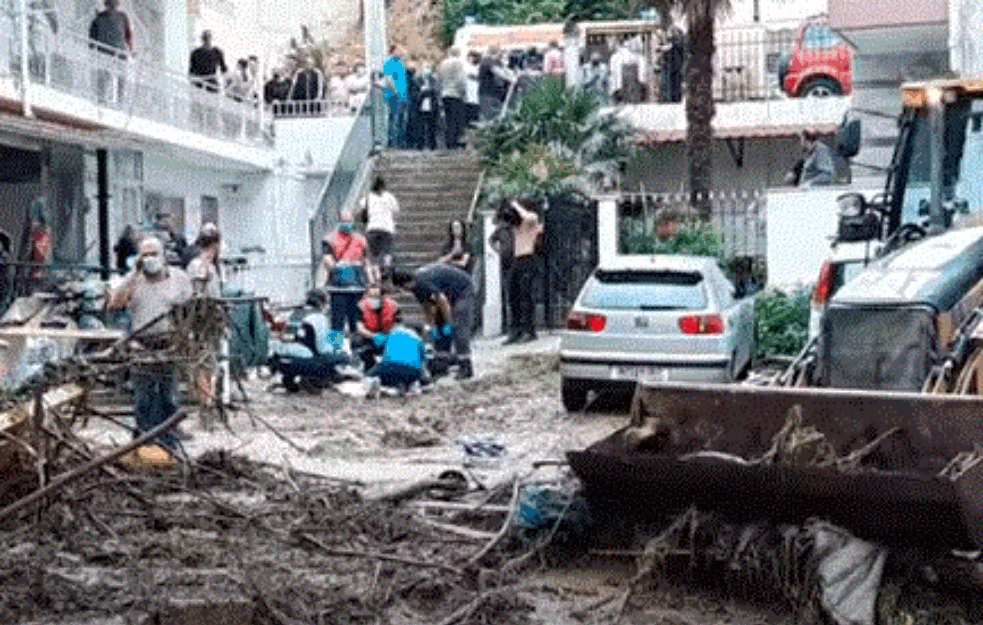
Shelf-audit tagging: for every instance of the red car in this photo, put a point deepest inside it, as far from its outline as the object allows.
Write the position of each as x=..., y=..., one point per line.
x=820, y=64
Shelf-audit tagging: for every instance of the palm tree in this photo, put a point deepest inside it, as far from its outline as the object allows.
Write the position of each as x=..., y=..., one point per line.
x=555, y=141
x=700, y=15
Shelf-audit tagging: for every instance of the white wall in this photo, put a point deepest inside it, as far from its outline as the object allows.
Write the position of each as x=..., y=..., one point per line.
x=965, y=26
x=663, y=168
x=801, y=224
x=312, y=144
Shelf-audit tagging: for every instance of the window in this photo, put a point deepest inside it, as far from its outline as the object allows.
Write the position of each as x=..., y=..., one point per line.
x=646, y=290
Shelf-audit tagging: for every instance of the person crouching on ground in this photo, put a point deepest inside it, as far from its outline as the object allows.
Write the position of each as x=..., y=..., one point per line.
x=403, y=359
x=378, y=316
x=446, y=293
x=149, y=292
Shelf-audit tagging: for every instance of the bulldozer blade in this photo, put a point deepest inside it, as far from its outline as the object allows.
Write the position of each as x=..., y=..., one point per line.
x=877, y=463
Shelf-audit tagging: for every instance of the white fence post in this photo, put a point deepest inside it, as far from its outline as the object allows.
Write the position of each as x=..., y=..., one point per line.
x=491, y=314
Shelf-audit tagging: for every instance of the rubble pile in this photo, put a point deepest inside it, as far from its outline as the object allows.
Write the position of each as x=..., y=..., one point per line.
x=269, y=544
x=817, y=569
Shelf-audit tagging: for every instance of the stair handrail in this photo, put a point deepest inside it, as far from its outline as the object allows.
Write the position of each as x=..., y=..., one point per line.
x=348, y=177
x=484, y=170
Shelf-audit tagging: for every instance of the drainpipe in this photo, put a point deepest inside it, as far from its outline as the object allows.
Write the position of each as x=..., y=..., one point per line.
x=25, y=72
x=375, y=55
x=102, y=196
x=936, y=120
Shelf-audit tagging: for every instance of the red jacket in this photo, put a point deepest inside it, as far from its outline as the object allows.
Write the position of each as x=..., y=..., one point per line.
x=378, y=321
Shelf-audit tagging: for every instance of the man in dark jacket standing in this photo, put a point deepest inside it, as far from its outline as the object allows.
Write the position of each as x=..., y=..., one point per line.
x=110, y=30
x=207, y=62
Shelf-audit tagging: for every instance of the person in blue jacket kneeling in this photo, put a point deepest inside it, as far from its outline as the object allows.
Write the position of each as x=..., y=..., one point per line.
x=403, y=359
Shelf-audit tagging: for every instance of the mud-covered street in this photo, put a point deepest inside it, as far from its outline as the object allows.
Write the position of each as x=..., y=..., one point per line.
x=315, y=508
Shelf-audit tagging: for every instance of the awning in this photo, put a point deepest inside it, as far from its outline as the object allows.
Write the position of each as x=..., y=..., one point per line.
x=649, y=137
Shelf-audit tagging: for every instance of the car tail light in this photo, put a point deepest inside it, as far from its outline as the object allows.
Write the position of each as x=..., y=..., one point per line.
x=825, y=284
x=701, y=324
x=586, y=321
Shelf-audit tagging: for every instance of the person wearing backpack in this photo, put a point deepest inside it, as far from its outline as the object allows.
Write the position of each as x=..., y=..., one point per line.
x=343, y=273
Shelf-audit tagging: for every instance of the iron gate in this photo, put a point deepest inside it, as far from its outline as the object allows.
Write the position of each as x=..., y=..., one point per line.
x=569, y=256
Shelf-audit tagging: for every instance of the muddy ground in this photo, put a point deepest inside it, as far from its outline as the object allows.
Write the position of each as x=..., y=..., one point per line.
x=292, y=514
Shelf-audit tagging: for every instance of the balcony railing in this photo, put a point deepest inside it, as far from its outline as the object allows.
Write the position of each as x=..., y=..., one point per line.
x=746, y=65
x=327, y=107
x=112, y=79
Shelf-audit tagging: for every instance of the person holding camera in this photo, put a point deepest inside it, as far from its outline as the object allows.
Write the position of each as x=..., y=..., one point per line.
x=149, y=292
x=526, y=234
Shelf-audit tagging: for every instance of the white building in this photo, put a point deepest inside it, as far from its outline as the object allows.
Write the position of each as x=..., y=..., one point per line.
x=95, y=142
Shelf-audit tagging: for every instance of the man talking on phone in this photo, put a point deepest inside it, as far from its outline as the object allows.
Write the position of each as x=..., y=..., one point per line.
x=149, y=292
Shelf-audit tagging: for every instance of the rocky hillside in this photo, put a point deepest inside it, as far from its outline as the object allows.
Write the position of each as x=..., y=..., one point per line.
x=413, y=24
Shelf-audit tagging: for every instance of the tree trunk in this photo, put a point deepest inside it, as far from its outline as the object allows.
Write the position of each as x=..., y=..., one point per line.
x=699, y=105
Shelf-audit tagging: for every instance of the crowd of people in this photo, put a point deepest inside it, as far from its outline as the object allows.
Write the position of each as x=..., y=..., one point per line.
x=433, y=105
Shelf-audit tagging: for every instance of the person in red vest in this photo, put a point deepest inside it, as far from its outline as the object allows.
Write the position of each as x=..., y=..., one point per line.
x=40, y=251
x=378, y=314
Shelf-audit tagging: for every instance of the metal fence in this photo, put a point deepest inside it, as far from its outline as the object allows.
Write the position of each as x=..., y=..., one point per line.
x=327, y=107
x=282, y=282
x=348, y=176
x=738, y=218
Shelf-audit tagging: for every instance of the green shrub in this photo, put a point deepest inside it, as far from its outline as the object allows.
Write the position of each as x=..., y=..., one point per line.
x=696, y=238
x=781, y=323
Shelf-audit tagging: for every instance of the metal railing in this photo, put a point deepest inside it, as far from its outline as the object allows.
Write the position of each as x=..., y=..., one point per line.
x=115, y=79
x=347, y=180
x=738, y=218
x=284, y=282
x=746, y=65
x=342, y=106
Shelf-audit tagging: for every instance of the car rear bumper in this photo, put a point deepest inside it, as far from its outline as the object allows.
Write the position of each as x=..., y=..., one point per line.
x=629, y=370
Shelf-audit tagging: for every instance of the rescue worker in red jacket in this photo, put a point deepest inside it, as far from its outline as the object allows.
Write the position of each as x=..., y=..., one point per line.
x=378, y=314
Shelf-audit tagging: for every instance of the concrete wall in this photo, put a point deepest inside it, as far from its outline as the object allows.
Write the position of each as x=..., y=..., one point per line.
x=965, y=26
x=663, y=167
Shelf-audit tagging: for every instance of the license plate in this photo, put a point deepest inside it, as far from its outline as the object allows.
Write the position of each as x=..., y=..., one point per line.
x=637, y=372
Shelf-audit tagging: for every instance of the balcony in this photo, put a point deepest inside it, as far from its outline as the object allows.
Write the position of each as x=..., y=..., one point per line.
x=101, y=96
x=749, y=66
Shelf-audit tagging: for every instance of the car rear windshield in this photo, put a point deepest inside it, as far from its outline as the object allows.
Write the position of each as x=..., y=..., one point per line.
x=646, y=290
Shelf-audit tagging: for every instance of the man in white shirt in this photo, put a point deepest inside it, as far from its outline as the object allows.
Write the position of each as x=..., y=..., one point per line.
x=453, y=79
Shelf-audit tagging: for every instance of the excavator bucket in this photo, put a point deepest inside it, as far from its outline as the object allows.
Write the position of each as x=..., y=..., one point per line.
x=893, y=467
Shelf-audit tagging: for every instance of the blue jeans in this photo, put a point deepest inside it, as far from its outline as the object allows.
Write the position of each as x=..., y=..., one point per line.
x=395, y=375
x=344, y=307
x=397, y=122
x=154, y=394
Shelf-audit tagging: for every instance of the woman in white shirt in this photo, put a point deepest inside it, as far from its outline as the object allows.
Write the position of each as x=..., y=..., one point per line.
x=380, y=208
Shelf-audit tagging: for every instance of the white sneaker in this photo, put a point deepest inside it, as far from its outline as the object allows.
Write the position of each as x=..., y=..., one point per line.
x=372, y=387
x=415, y=389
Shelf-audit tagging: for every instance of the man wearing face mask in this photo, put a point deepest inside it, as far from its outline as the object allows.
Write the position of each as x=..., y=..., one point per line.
x=378, y=314
x=149, y=292
x=343, y=272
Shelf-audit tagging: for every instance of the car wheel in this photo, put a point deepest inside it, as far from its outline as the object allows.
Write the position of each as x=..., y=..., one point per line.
x=291, y=383
x=821, y=88
x=574, y=393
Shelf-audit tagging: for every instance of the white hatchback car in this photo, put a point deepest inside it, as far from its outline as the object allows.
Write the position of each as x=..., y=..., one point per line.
x=671, y=318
